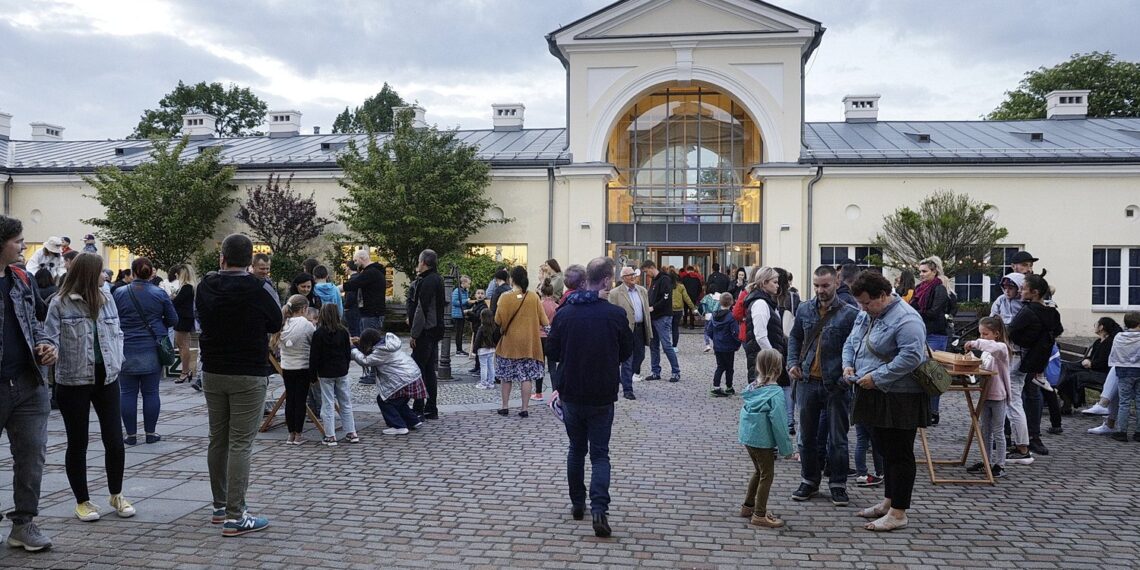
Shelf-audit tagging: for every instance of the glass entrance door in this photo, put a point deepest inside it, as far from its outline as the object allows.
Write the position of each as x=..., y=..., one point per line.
x=700, y=258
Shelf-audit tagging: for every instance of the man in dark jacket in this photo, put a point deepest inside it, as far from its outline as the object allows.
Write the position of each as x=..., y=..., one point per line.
x=847, y=273
x=717, y=282
x=237, y=313
x=24, y=405
x=426, y=303
x=815, y=361
x=661, y=315
x=590, y=338
x=1034, y=329
x=371, y=286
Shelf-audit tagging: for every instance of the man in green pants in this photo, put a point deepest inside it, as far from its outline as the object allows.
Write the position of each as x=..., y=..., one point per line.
x=237, y=313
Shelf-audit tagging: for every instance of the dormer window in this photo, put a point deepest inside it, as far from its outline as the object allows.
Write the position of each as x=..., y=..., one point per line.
x=919, y=137
x=282, y=118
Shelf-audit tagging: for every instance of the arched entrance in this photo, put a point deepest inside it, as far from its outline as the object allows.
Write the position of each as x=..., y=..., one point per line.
x=683, y=195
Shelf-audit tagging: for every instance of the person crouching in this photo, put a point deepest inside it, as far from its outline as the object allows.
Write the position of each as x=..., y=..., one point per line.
x=398, y=379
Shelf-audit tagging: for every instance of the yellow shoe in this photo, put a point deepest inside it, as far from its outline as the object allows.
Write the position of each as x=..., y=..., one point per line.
x=87, y=511
x=122, y=506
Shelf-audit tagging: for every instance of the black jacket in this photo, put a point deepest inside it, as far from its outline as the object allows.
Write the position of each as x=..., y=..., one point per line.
x=934, y=317
x=591, y=338
x=774, y=326
x=237, y=313
x=1034, y=328
x=716, y=283
x=372, y=284
x=330, y=353
x=661, y=296
x=426, y=296
x=1098, y=354
x=843, y=293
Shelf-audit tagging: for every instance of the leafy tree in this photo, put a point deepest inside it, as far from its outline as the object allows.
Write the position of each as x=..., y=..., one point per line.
x=948, y=225
x=164, y=209
x=374, y=116
x=238, y=110
x=479, y=267
x=283, y=220
x=1115, y=87
x=420, y=188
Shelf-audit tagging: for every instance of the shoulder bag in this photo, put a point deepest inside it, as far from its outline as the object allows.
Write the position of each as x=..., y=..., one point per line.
x=162, y=343
x=930, y=375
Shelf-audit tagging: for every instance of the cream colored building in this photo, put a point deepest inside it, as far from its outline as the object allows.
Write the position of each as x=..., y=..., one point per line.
x=685, y=142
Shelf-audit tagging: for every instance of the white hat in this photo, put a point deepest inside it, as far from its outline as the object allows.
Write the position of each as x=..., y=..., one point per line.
x=627, y=270
x=54, y=244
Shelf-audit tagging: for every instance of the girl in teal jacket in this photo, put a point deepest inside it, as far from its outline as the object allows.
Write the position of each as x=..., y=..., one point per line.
x=764, y=431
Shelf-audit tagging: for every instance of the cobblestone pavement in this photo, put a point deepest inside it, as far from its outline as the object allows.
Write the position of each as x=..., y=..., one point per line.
x=478, y=490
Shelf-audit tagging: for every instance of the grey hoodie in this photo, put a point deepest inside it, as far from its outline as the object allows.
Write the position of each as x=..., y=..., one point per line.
x=1005, y=307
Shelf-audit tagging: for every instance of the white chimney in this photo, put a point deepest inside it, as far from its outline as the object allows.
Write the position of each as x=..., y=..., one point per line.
x=284, y=123
x=507, y=116
x=418, y=121
x=1067, y=104
x=861, y=108
x=199, y=125
x=5, y=126
x=46, y=132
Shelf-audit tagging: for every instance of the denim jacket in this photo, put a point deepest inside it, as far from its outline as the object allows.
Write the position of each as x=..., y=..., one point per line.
x=831, y=339
x=24, y=298
x=71, y=329
x=896, y=334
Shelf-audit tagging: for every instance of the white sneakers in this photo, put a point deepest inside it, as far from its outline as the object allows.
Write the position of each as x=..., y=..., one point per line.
x=395, y=431
x=1102, y=429
x=637, y=378
x=1096, y=410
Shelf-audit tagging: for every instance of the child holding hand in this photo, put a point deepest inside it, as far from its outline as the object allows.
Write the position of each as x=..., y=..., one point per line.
x=764, y=431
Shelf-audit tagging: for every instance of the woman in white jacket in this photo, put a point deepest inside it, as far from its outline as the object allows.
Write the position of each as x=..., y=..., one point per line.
x=398, y=379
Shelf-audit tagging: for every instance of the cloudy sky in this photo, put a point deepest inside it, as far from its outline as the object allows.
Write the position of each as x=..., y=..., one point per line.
x=93, y=66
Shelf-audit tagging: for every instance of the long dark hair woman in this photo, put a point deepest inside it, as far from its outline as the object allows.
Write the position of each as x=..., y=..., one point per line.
x=303, y=285
x=145, y=315
x=887, y=343
x=83, y=322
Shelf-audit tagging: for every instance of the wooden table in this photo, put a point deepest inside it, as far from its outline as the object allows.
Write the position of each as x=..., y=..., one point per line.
x=963, y=384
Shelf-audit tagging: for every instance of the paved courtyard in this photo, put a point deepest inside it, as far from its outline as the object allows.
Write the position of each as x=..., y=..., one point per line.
x=477, y=490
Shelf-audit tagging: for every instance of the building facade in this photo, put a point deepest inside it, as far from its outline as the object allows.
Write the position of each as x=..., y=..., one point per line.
x=685, y=143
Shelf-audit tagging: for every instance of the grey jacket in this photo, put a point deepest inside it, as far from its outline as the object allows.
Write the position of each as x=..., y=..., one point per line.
x=394, y=369
x=72, y=330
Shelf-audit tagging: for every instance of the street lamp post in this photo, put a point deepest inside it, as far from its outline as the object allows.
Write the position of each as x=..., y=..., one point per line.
x=449, y=282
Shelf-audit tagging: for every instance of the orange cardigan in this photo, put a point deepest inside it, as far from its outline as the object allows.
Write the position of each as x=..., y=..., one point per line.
x=522, y=319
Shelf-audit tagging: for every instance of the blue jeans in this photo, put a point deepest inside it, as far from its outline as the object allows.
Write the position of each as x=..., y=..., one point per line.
x=487, y=370
x=371, y=323
x=936, y=342
x=129, y=387
x=1127, y=393
x=813, y=397
x=862, y=444
x=588, y=428
x=662, y=334
x=632, y=365
x=334, y=391
x=397, y=414
x=24, y=410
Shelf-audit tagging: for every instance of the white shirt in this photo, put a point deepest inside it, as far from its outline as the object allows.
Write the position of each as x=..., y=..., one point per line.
x=761, y=313
x=296, y=338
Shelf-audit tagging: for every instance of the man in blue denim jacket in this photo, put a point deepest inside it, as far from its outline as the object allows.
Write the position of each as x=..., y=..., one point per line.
x=815, y=361
x=25, y=353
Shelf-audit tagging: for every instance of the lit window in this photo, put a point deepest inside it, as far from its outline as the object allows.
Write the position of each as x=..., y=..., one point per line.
x=507, y=253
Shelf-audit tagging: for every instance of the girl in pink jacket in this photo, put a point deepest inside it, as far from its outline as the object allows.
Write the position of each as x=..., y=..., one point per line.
x=995, y=358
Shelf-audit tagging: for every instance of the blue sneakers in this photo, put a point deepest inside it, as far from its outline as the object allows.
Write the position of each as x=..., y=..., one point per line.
x=246, y=524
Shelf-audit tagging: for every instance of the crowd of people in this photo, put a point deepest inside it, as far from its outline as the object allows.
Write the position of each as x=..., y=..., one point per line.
x=845, y=357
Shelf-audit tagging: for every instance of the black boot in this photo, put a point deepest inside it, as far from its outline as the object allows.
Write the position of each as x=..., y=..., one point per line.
x=601, y=525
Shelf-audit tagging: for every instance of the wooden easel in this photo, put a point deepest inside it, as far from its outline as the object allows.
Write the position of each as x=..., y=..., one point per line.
x=268, y=423
x=973, y=431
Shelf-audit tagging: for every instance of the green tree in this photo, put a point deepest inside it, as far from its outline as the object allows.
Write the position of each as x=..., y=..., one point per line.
x=419, y=189
x=1115, y=87
x=164, y=209
x=374, y=116
x=283, y=220
x=479, y=267
x=238, y=110
x=948, y=225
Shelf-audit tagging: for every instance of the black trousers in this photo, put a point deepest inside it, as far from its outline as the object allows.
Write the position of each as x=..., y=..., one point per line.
x=296, y=398
x=75, y=403
x=460, y=328
x=897, y=448
x=426, y=355
x=725, y=366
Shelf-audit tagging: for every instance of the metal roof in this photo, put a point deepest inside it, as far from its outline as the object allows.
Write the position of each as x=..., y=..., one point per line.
x=973, y=142
x=882, y=142
x=528, y=147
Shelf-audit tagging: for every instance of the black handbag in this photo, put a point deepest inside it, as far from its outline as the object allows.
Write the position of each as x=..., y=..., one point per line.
x=166, y=356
